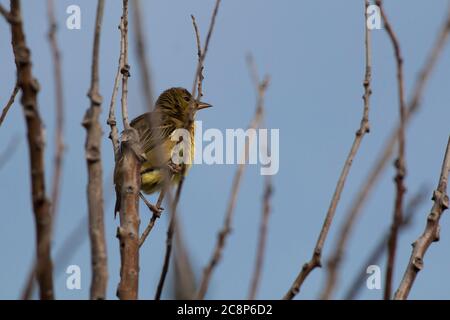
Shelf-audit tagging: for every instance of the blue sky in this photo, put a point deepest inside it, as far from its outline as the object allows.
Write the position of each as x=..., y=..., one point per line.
x=314, y=53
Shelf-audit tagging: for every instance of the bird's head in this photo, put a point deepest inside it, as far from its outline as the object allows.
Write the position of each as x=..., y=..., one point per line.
x=175, y=102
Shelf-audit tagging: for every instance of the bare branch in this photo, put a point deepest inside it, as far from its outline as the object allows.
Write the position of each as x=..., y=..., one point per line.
x=262, y=239
x=156, y=210
x=5, y=13
x=174, y=202
x=9, y=103
x=95, y=172
x=431, y=232
x=141, y=50
x=125, y=67
x=112, y=122
x=185, y=282
x=41, y=205
x=59, y=123
x=128, y=184
x=400, y=163
x=169, y=241
x=380, y=164
x=380, y=248
x=226, y=229
x=364, y=128
x=199, y=54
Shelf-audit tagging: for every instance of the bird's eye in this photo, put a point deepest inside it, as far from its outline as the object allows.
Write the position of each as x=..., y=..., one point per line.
x=187, y=99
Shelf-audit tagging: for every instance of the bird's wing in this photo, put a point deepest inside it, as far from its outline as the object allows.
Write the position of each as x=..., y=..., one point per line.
x=151, y=132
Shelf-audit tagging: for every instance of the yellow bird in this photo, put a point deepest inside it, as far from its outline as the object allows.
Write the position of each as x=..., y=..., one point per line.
x=155, y=131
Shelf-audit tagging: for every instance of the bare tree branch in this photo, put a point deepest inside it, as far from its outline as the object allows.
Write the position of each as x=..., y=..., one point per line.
x=192, y=105
x=380, y=164
x=156, y=214
x=128, y=184
x=5, y=13
x=36, y=141
x=112, y=122
x=380, y=248
x=95, y=172
x=141, y=50
x=431, y=232
x=400, y=163
x=169, y=241
x=262, y=239
x=185, y=282
x=59, y=123
x=9, y=103
x=364, y=128
x=226, y=229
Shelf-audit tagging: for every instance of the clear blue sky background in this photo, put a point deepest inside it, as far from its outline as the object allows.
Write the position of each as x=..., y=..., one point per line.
x=314, y=52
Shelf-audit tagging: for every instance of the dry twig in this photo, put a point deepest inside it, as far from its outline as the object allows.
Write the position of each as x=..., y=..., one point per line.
x=431, y=232
x=155, y=210
x=36, y=141
x=185, y=282
x=141, y=50
x=9, y=103
x=380, y=164
x=364, y=128
x=226, y=229
x=59, y=123
x=169, y=241
x=380, y=248
x=128, y=184
x=262, y=239
x=400, y=162
x=192, y=105
x=95, y=174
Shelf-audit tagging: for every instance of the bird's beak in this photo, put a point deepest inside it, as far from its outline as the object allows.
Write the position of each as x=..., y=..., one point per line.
x=203, y=105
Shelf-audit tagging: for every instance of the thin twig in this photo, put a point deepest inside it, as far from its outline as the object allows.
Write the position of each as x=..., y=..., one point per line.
x=141, y=51
x=384, y=156
x=156, y=214
x=36, y=141
x=199, y=54
x=9, y=103
x=364, y=128
x=68, y=248
x=169, y=241
x=5, y=13
x=59, y=123
x=194, y=101
x=226, y=229
x=431, y=232
x=400, y=162
x=91, y=122
x=112, y=122
x=125, y=67
x=380, y=248
x=185, y=282
x=262, y=239
x=198, y=72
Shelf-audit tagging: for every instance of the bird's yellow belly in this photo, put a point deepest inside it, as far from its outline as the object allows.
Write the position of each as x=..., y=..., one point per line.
x=152, y=178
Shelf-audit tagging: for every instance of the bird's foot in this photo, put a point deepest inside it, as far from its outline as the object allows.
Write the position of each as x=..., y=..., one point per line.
x=175, y=168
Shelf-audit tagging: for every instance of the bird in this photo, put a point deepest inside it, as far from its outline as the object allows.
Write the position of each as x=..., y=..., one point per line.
x=155, y=129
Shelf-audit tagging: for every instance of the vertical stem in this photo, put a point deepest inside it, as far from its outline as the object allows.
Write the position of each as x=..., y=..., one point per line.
x=95, y=174
x=35, y=133
x=128, y=185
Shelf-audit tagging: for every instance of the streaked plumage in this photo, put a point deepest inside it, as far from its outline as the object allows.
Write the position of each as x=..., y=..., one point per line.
x=155, y=129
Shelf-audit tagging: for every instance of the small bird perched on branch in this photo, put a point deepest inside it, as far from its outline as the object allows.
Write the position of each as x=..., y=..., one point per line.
x=156, y=129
